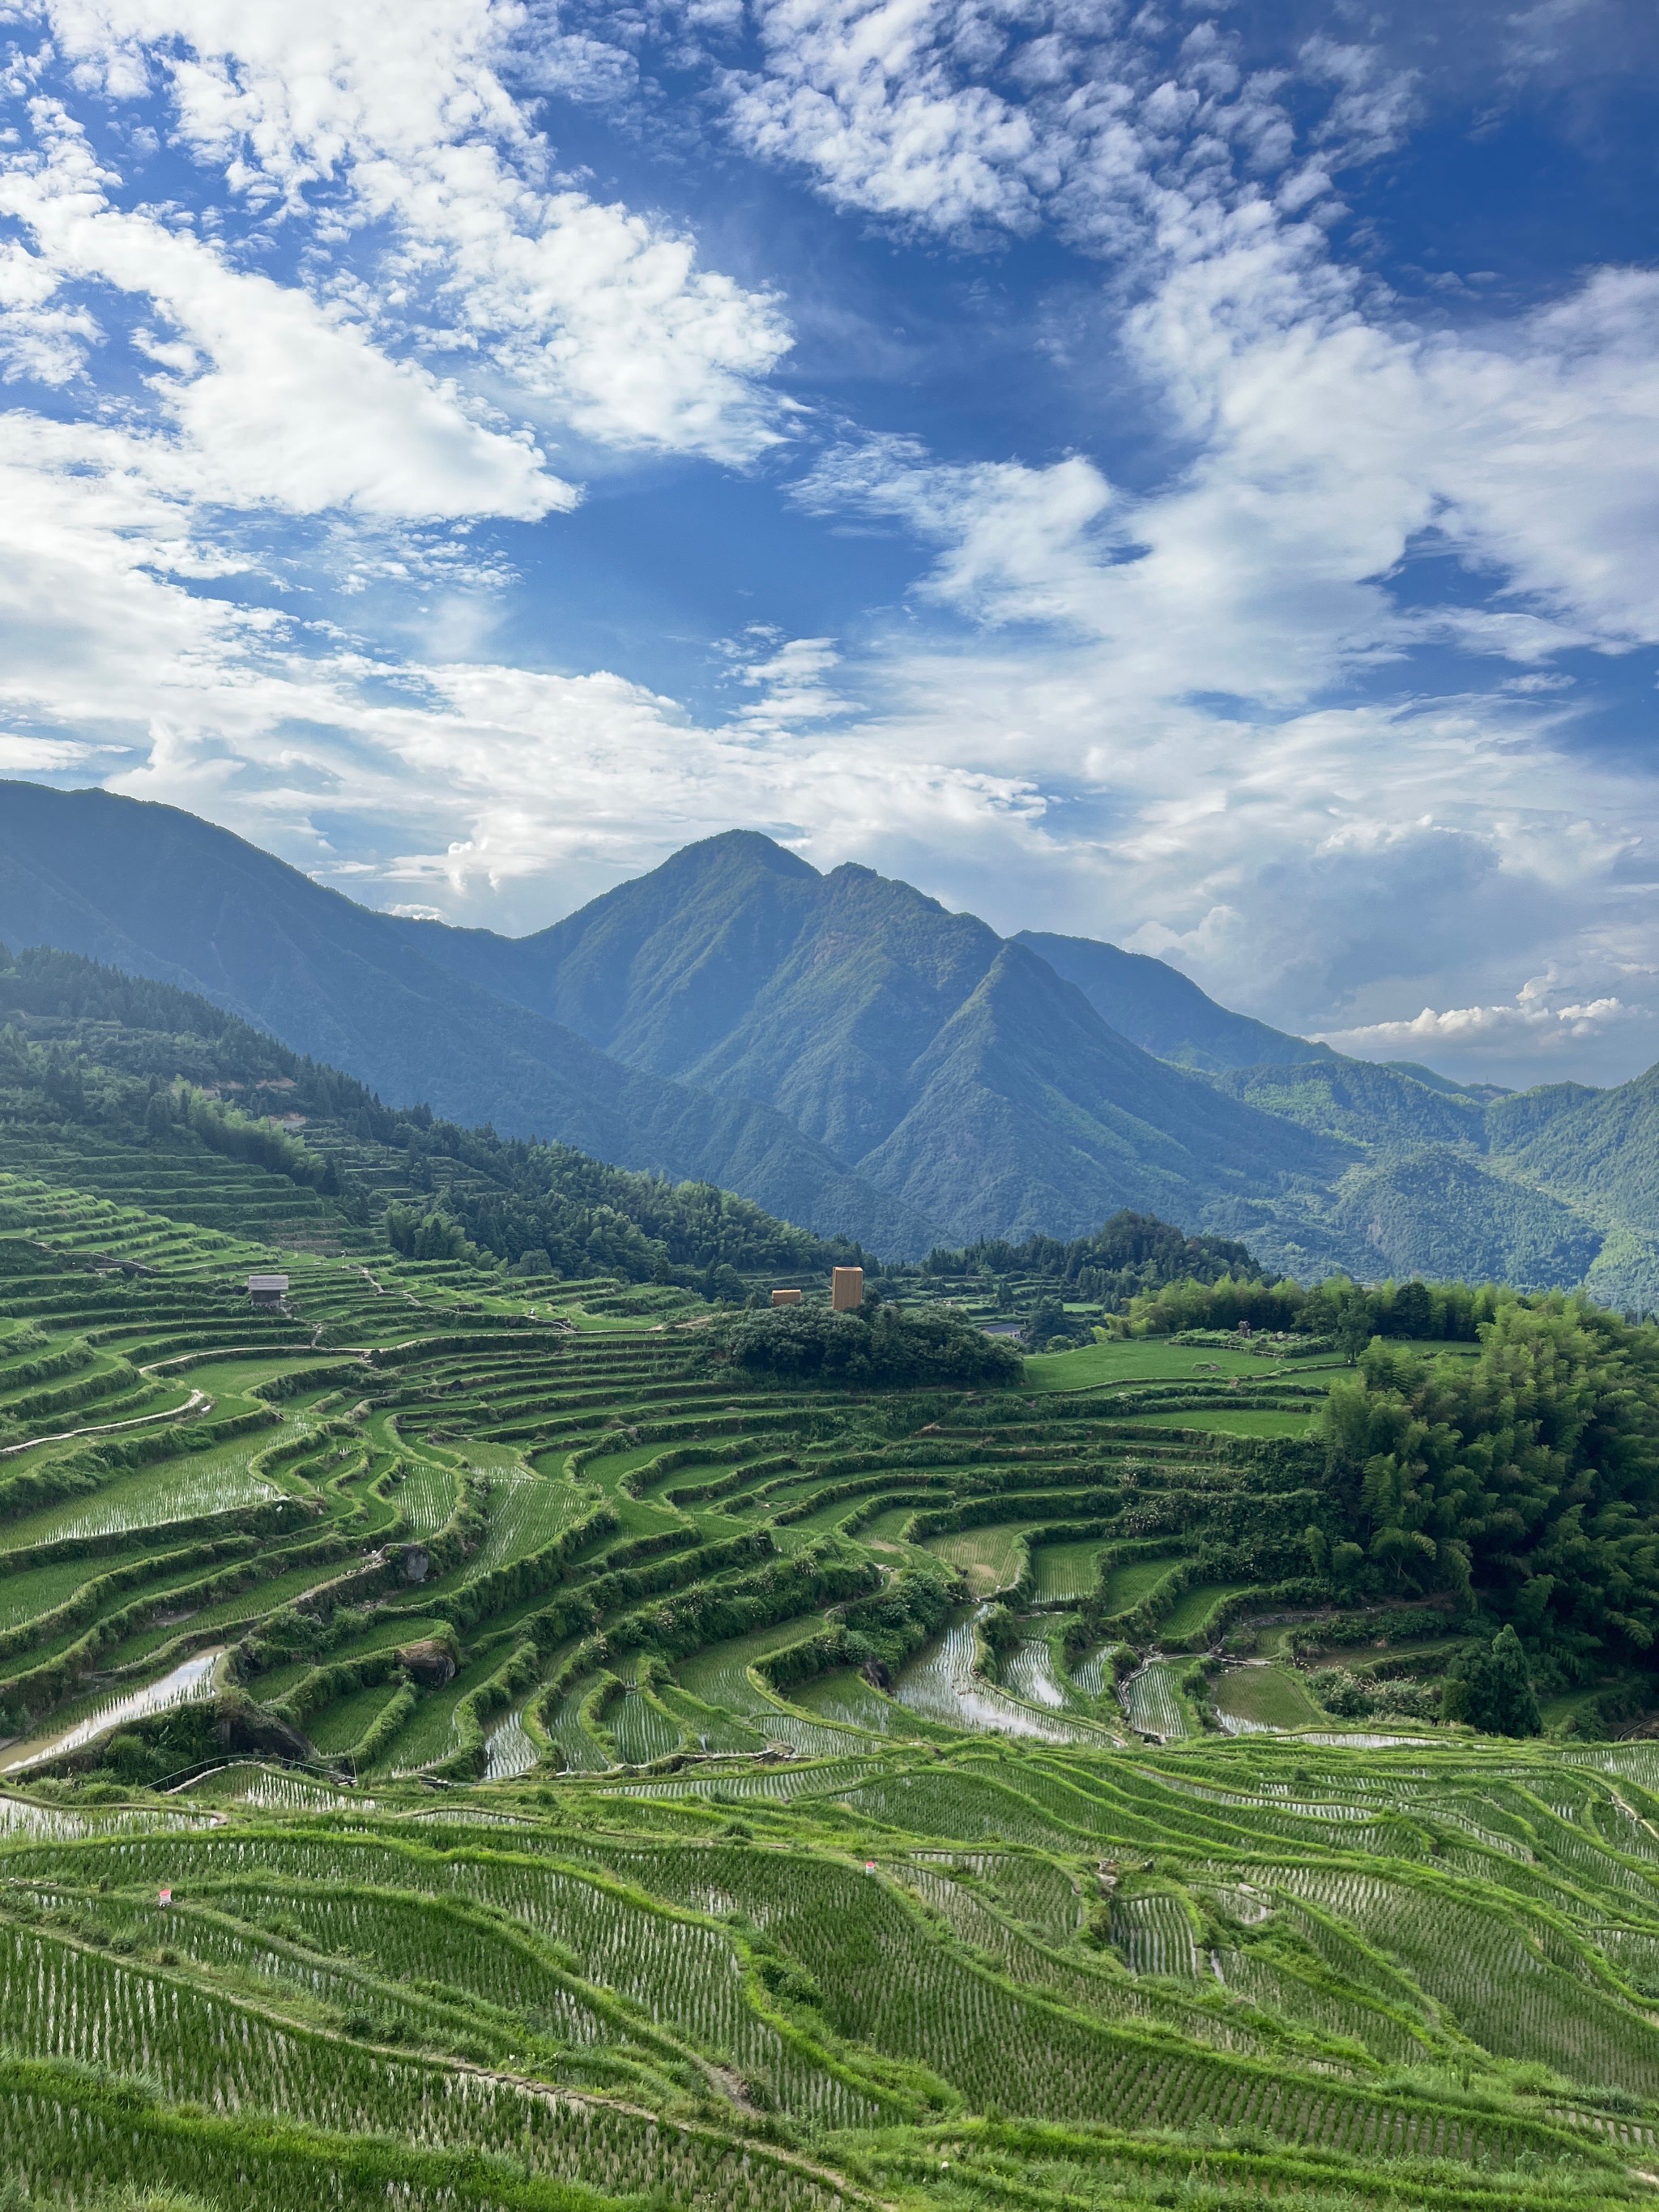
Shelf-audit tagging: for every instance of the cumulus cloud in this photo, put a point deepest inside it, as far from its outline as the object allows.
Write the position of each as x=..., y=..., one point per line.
x=1016, y=543
x=274, y=397
x=1184, y=706
x=1332, y=450
x=1536, y=1016
x=399, y=122
x=489, y=780
x=864, y=92
x=384, y=296
x=21, y=756
x=1123, y=132
x=787, y=675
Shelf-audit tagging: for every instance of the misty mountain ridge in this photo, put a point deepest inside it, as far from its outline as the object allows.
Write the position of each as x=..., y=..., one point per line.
x=845, y=1051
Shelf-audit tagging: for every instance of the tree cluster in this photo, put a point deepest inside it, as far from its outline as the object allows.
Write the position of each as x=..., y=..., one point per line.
x=1049, y=1328
x=1528, y=1474
x=879, y=1345
x=1128, y=1256
x=1348, y=1314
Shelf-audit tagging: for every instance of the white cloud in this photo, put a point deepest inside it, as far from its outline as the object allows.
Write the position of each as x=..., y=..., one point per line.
x=1375, y=102
x=787, y=677
x=595, y=316
x=1018, y=543
x=1328, y=437
x=97, y=630
x=863, y=93
x=273, y=398
x=1532, y=1020
x=1000, y=117
x=40, y=755
x=493, y=788
x=41, y=338
x=1329, y=450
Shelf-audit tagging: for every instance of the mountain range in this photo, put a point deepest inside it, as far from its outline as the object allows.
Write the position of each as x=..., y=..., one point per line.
x=846, y=1052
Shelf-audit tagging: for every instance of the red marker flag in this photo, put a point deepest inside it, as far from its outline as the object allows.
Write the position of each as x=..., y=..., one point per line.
x=165, y=1897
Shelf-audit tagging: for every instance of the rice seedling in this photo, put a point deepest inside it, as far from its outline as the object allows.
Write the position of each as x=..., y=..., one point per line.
x=184, y=1491
x=844, y=1945
x=509, y=1750
x=991, y=1558
x=1152, y=1702
x=942, y=1684
x=1063, y=1572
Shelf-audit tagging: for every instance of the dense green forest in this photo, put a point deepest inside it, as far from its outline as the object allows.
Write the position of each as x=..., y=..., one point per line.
x=847, y=1055
x=1131, y=1253
x=1529, y=1474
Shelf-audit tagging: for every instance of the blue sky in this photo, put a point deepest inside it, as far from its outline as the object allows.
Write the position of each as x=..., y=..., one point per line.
x=1181, y=474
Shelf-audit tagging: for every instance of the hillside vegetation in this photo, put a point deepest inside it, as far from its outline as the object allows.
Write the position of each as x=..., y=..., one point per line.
x=478, y=1739
x=137, y=1089
x=847, y=1055
x=156, y=892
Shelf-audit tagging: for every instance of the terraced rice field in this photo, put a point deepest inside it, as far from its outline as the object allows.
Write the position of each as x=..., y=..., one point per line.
x=1062, y=1572
x=1127, y=1584
x=944, y=1686
x=188, y=1683
x=526, y=1511
x=1193, y=1608
x=1252, y=1697
x=1153, y=1702
x=574, y=1779
x=988, y=1558
x=1031, y=1673
x=181, y=1491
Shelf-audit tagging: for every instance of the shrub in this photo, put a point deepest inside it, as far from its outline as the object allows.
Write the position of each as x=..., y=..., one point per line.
x=878, y=1345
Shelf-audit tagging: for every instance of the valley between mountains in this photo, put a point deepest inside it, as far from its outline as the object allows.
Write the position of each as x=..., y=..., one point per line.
x=512, y=1701
x=844, y=1051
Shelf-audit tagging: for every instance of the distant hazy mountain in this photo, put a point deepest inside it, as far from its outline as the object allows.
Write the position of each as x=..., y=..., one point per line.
x=848, y=1054
x=160, y=893
x=1161, y=1010
x=1362, y=1102
x=918, y=1047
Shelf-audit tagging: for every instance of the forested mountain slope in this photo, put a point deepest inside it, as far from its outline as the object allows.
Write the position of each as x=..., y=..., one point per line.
x=136, y=1091
x=1161, y=1010
x=1026, y=1111
x=958, y=1072
x=1599, y=1147
x=848, y=1055
x=158, y=893
x=736, y=966
x=1037, y=1086
x=1361, y=1103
